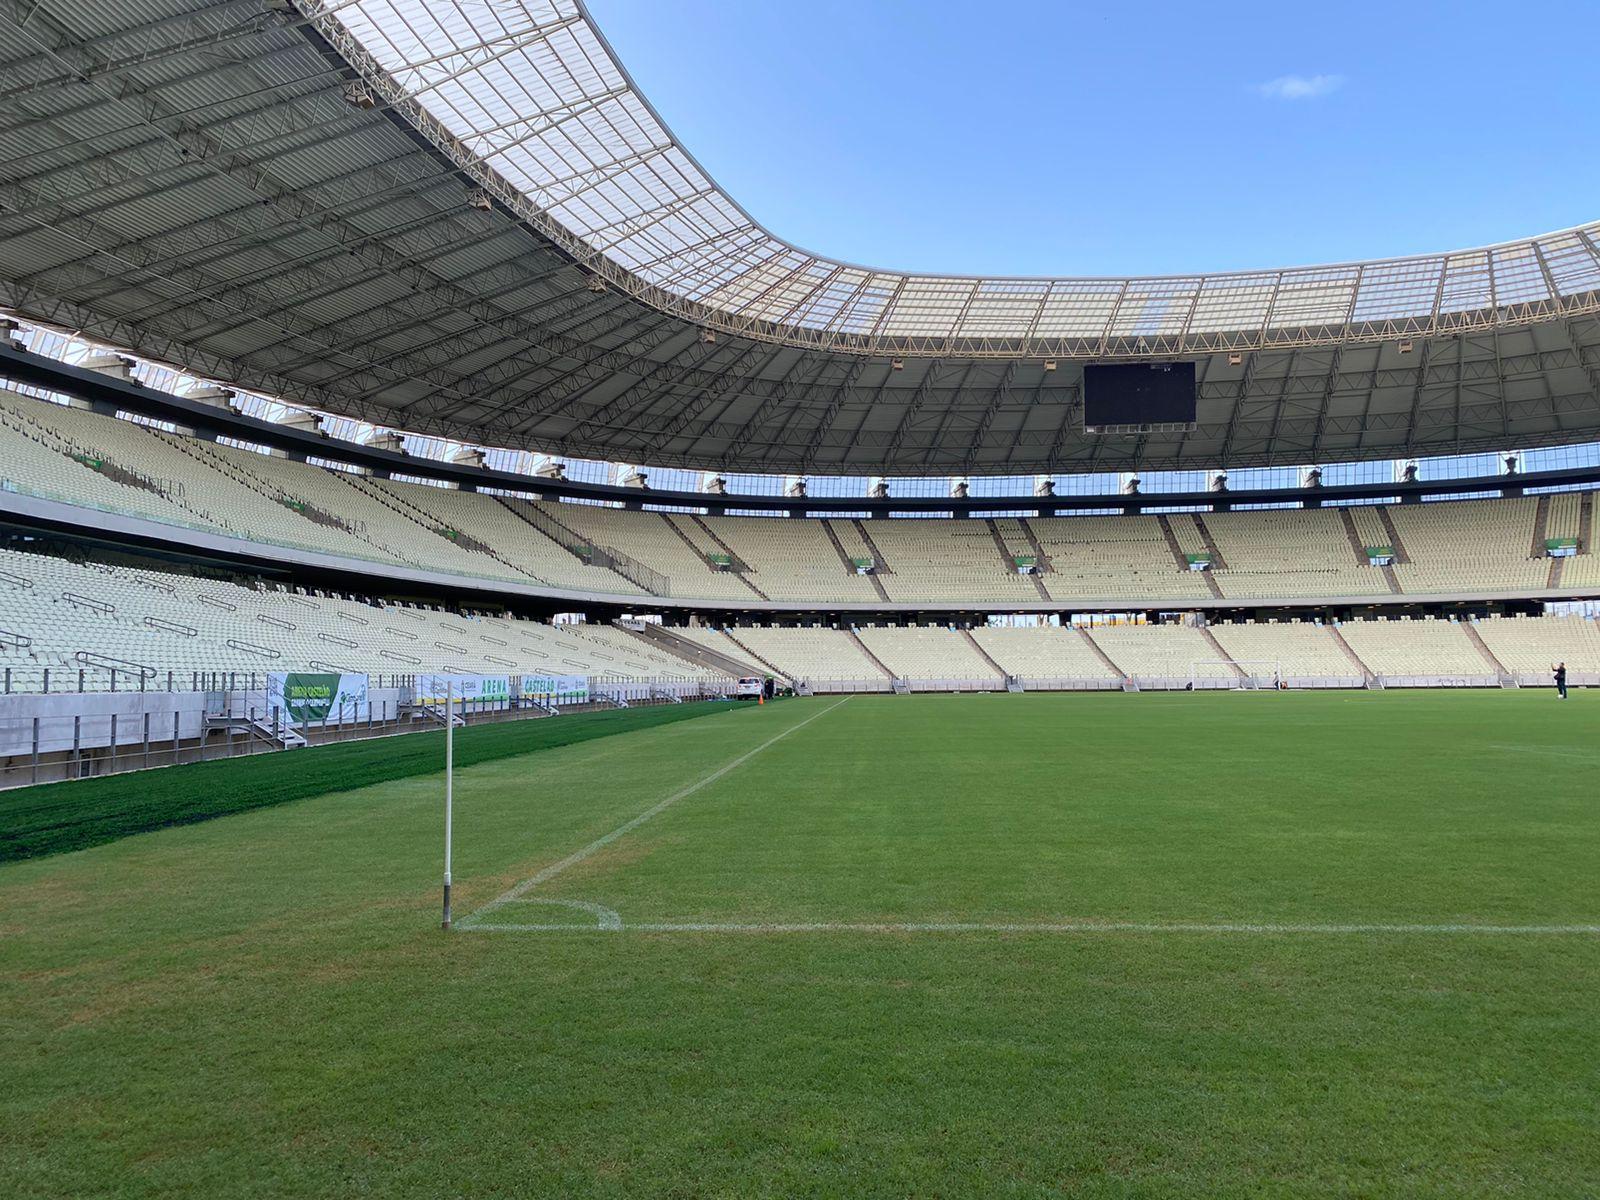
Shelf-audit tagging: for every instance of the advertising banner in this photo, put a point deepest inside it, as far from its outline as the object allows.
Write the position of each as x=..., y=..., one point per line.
x=304, y=697
x=557, y=689
x=470, y=689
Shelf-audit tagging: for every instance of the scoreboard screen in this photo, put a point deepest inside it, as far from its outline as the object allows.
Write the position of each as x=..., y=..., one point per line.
x=1139, y=394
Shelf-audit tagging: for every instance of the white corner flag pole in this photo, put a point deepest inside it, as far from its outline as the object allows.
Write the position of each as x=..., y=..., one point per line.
x=449, y=785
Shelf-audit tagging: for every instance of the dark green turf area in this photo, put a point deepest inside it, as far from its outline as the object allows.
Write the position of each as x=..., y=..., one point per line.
x=55, y=817
x=264, y=1005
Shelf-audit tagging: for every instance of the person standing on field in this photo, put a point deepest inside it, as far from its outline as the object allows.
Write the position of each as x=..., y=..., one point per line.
x=1560, y=672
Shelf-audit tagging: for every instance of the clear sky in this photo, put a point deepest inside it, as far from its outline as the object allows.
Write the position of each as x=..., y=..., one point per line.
x=1030, y=137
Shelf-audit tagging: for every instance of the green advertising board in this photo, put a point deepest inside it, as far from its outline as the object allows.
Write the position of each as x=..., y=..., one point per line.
x=300, y=697
x=1561, y=543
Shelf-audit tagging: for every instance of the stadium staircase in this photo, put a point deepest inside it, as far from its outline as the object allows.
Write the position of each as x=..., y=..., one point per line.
x=1039, y=556
x=1182, y=559
x=585, y=551
x=1179, y=558
x=736, y=565
x=660, y=638
x=1506, y=678
x=1217, y=560
x=1367, y=675
x=1585, y=521
x=1010, y=561
x=1401, y=554
x=1211, y=640
x=882, y=564
x=984, y=654
x=876, y=661
x=1354, y=536
x=741, y=568
x=1541, y=525
x=1557, y=566
x=754, y=657
x=410, y=512
x=1392, y=579
x=1128, y=685
x=849, y=565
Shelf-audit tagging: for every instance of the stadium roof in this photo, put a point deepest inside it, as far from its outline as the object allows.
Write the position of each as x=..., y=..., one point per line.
x=463, y=219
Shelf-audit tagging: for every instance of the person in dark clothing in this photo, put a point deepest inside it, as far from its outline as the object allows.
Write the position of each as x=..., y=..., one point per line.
x=1560, y=672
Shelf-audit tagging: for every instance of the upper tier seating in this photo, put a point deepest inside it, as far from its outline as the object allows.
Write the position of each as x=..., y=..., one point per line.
x=1461, y=547
x=1275, y=553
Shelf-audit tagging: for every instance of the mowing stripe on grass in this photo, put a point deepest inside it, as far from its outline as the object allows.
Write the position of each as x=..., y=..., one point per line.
x=1070, y=927
x=51, y=818
x=600, y=843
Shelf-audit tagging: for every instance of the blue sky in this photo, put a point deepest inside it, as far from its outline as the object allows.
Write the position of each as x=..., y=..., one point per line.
x=1057, y=138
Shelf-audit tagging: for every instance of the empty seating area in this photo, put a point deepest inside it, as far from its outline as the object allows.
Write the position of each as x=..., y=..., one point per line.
x=810, y=654
x=1296, y=649
x=1107, y=557
x=1415, y=648
x=137, y=623
x=1160, y=652
x=927, y=652
x=1451, y=547
x=1465, y=545
x=1284, y=553
x=1531, y=645
x=1043, y=652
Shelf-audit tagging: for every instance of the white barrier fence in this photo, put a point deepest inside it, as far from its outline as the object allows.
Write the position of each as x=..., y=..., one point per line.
x=70, y=735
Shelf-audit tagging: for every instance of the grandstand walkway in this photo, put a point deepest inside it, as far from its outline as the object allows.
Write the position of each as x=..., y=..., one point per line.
x=777, y=673
x=1367, y=674
x=985, y=655
x=1221, y=652
x=1482, y=647
x=1105, y=659
x=1354, y=537
x=867, y=650
x=1401, y=554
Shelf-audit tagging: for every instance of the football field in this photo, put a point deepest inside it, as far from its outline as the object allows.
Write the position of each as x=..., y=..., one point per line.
x=1265, y=944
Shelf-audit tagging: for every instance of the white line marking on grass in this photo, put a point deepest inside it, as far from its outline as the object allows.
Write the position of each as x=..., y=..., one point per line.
x=1057, y=927
x=600, y=843
x=605, y=918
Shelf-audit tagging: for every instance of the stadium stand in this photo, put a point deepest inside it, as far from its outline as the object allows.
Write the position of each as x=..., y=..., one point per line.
x=1454, y=547
x=1529, y=646
x=928, y=652
x=1160, y=652
x=1415, y=648
x=141, y=624
x=1298, y=649
x=1043, y=652
x=814, y=655
x=793, y=559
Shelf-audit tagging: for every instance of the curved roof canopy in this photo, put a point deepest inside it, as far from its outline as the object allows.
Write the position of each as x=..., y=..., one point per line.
x=459, y=217
x=528, y=97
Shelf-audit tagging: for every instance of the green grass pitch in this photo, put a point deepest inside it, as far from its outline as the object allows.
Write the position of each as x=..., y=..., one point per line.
x=1015, y=945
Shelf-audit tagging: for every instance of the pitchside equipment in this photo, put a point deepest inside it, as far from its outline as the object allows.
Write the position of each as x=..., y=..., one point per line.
x=449, y=788
x=1259, y=674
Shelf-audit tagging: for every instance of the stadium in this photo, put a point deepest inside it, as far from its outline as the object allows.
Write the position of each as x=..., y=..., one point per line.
x=871, y=733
